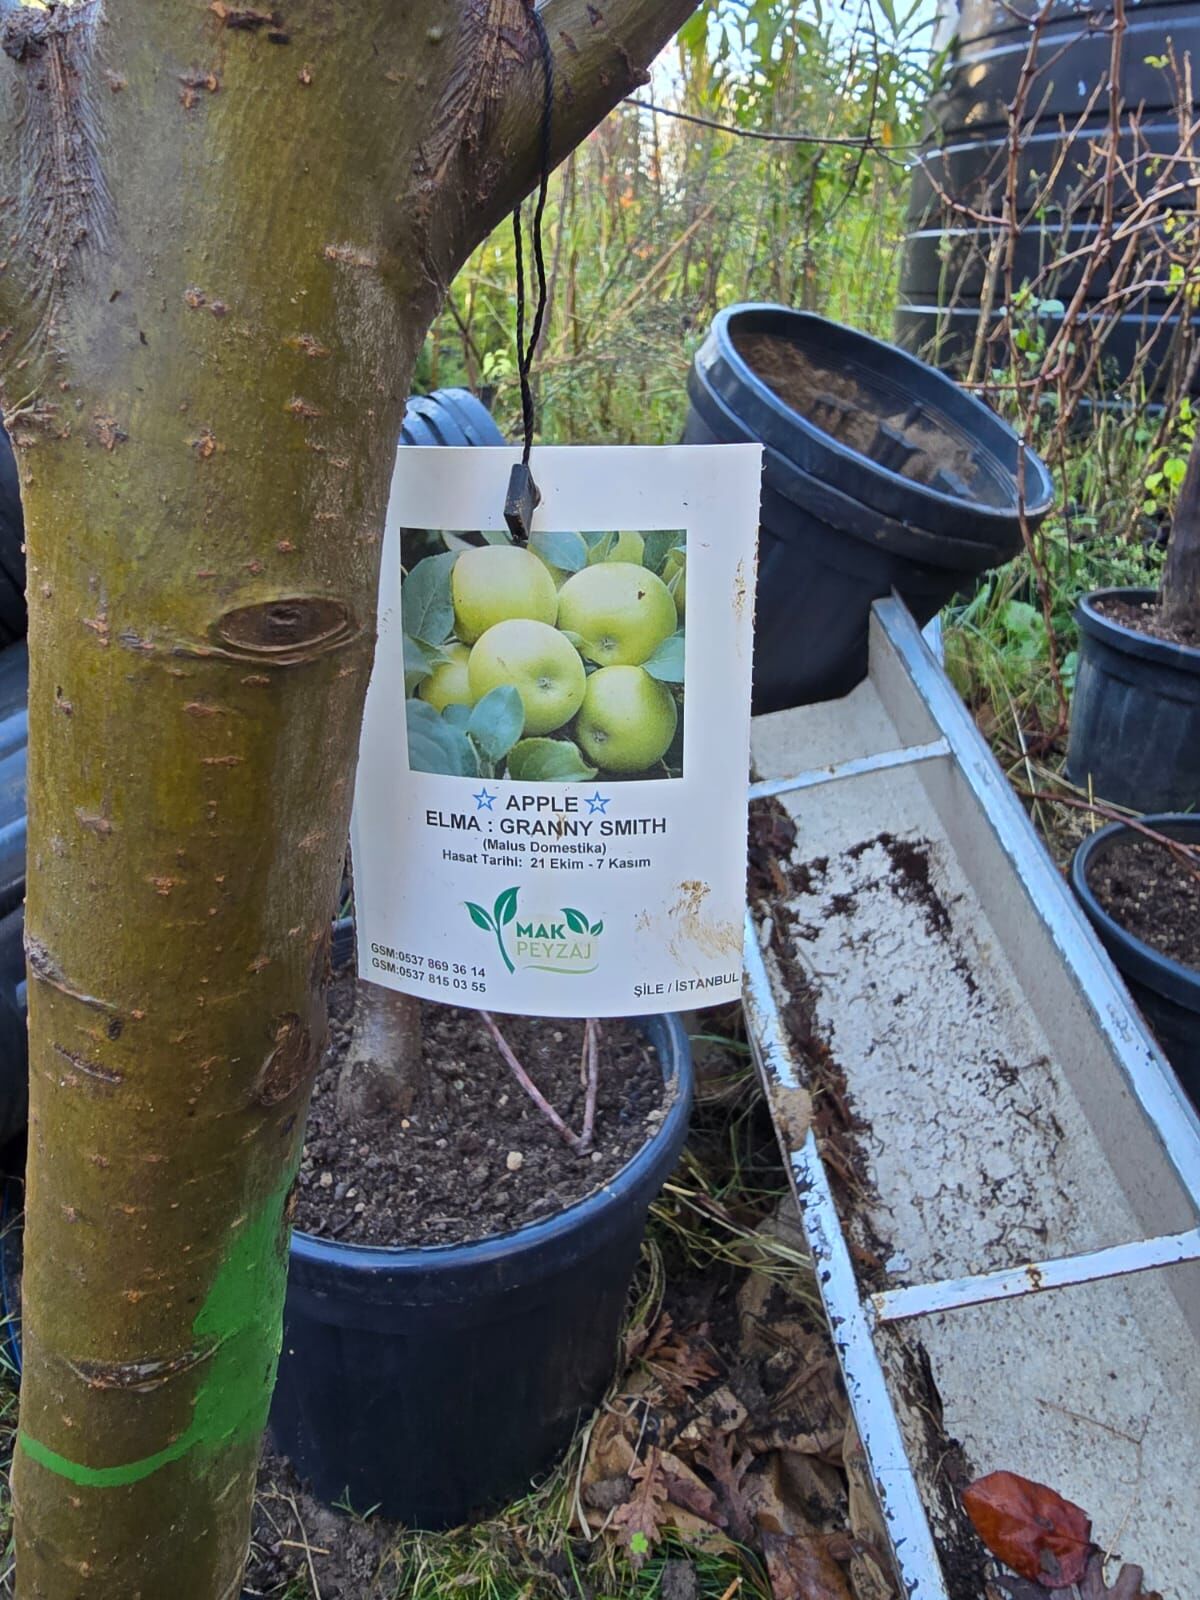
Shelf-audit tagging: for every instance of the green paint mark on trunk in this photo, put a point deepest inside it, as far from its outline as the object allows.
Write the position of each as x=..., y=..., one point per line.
x=241, y=1324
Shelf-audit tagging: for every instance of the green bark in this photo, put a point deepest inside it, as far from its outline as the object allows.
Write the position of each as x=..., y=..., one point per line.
x=225, y=232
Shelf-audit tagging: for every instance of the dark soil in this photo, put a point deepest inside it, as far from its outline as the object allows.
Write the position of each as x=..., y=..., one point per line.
x=1154, y=896
x=1145, y=616
x=477, y=1158
x=861, y=416
x=839, y=1129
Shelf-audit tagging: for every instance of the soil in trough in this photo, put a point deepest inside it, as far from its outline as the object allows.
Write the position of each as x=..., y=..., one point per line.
x=476, y=1157
x=1145, y=616
x=1153, y=896
x=842, y=1136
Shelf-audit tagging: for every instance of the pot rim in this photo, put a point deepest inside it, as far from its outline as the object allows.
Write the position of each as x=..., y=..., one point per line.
x=720, y=333
x=1156, y=970
x=673, y=1049
x=1119, y=636
x=936, y=553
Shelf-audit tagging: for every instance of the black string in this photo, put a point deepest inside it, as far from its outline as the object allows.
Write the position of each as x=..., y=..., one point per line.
x=525, y=353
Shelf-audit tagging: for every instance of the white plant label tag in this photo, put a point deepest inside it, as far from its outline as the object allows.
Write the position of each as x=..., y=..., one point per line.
x=550, y=814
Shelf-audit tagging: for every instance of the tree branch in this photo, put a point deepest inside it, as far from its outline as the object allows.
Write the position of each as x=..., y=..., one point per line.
x=602, y=50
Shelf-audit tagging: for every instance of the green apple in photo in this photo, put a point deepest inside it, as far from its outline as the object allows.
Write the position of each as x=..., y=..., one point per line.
x=498, y=582
x=627, y=719
x=628, y=546
x=675, y=577
x=621, y=611
x=448, y=684
x=542, y=666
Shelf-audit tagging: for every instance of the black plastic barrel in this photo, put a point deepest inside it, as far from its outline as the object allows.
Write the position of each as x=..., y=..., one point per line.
x=435, y=1383
x=888, y=478
x=450, y=417
x=1166, y=992
x=1135, y=713
x=946, y=256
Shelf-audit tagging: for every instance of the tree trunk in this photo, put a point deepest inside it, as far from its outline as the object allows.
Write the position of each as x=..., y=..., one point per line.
x=383, y=1074
x=1181, y=575
x=225, y=230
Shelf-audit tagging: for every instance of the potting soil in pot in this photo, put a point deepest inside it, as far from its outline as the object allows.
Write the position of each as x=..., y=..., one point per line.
x=476, y=1157
x=1145, y=616
x=837, y=403
x=1153, y=896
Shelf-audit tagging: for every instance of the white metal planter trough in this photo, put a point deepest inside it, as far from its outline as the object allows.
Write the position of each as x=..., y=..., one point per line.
x=1019, y=1237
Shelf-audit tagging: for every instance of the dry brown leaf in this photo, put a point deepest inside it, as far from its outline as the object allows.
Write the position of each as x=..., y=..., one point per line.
x=728, y=1464
x=768, y=1503
x=803, y=1567
x=640, y=1522
x=1031, y=1528
x=680, y=1360
x=610, y=1450
x=870, y=1577
x=1127, y=1585
x=686, y=1490
x=719, y=1411
x=808, y=1415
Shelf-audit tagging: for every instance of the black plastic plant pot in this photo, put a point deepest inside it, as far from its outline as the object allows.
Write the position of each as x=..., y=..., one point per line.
x=1135, y=715
x=1166, y=992
x=896, y=434
x=894, y=480
x=824, y=557
x=436, y=1383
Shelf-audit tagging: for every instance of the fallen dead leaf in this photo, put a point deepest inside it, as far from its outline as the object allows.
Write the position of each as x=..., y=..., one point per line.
x=804, y=1568
x=728, y=1464
x=640, y=1522
x=1030, y=1527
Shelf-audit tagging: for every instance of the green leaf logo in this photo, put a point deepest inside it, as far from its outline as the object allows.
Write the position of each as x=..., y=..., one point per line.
x=576, y=920
x=496, y=920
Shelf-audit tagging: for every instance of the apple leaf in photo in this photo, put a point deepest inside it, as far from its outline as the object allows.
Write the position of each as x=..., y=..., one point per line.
x=666, y=664
x=658, y=546
x=497, y=721
x=435, y=745
x=548, y=761
x=564, y=550
x=419, y=662
x=425, y=603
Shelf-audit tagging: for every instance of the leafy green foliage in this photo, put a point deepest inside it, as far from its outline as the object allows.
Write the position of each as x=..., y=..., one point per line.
x=548, y=761
x=426, y=607
x=654, y=223
x=496, y=722
x=666, y=664
x=436, y=745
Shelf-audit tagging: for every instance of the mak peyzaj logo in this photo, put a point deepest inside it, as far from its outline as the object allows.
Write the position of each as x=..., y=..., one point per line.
x=564, y=942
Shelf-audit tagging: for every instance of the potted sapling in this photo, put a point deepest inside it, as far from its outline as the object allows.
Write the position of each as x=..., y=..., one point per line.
x=1135, y=716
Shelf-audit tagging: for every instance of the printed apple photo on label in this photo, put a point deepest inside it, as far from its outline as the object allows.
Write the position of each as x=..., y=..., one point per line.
x=562, y=661
x=550, y=811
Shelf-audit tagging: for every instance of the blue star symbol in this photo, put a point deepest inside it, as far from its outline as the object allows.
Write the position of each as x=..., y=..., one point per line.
x=483, y=800
x=597, y=802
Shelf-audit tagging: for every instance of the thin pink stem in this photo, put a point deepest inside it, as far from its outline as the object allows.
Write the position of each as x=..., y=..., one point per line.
x=531, y=1088
x=591, y=1050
